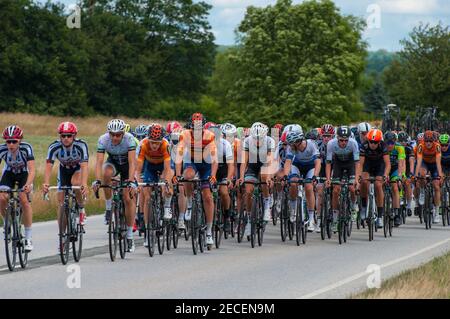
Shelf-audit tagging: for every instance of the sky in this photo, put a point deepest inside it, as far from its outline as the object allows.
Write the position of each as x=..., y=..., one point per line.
x=389, y=20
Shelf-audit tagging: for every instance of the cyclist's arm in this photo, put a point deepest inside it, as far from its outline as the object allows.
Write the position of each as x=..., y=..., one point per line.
x=362, y=160
x=387, y=164
x=419, y=164
x=357, y=170
x=411, y=164
x=439, y=164
x=84, y=173
x=317, y=166
x=139, y=166
x=48, y=172
x=99, y=165
x=31, y=172
x=244, y=164
x=131, y=163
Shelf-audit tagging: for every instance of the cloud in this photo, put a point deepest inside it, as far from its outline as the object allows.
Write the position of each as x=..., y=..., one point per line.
x=410, y=6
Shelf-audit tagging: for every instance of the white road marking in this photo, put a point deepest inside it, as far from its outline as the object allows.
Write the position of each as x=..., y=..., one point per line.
x=364, y=274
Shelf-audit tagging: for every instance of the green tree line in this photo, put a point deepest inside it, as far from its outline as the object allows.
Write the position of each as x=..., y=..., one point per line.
x=302, y=62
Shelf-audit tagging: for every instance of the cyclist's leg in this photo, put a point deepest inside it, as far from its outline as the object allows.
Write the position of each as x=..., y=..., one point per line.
x=204, y=171
x=251, y=176
x=109, y=171
x=26, y=205
x=395, y=191
x=189, y=171
x=294, y=176
x=7, y=181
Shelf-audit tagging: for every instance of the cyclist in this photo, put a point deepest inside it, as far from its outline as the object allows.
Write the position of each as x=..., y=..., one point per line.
x=443, y=141
x=280, y=157
x=397, y=158
x=139, y=133
x=361, y=136
x=73, y=157
x=429, y=160
x=200, y=157
x=328, y=132
x=19, y=168
x=302, y=161
x=155, y=153
x=121, y=150
x=375, y=162
x=257, y=160
x=403, y=139
x=229, y=132
x=343, y=158
x=277, y=130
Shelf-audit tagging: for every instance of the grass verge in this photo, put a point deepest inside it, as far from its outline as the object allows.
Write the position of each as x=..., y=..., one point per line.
x=429, y=281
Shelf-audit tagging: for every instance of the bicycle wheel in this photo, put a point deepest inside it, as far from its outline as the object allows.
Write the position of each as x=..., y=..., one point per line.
x=253, y=224
x=10, y=244
x=218, y=226
x=150, y=235
x=122, y=229
x=202, y=232
x=242, y=221
x=341, y=230
x=284, y=219
x=387, y=213
x=349, y=224
x=426, y=212
x=77, y=243
x=168, y=232
x=195, y=228
x=275, y=212
x=23, y=255
x=64, y=237
x=113, y=235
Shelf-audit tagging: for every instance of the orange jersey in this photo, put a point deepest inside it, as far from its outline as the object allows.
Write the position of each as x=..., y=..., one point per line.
x=236, y=148
x=197, y=146
x=154, y=157
x=429, y=154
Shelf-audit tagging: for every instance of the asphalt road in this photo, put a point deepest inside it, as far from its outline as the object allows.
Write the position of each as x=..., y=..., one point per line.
x=319, y=269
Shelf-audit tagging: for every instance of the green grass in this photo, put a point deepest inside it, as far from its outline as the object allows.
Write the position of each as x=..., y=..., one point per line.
x=431, y=280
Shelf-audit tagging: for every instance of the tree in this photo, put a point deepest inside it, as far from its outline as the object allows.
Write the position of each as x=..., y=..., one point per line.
x=298, y=63
x=422, y=74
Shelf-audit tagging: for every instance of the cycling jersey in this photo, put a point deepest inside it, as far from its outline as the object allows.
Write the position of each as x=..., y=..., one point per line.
x=193, y=148
x=375, y=155
x=348, y=153
x=68, y=157
x=429, y=154
x=225, y=154
x=305, y=158
x=280, y=154
x=16, y=163
x=259, y=153
x=117, y=153
x=397, y=154
x=409, y=152
x=445, y=160
x=154, y=157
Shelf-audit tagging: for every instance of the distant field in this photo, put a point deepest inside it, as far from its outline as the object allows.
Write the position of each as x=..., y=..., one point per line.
x=40, y=131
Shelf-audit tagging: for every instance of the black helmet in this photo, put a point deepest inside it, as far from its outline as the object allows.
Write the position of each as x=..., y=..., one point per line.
x=390, y=136
x=344, y=132
x=403, y=137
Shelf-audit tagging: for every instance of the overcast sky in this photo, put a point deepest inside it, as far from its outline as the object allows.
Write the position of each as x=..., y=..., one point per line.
x=396, y=19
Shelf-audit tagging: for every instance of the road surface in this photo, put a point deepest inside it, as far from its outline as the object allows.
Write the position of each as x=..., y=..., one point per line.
x=319, y=269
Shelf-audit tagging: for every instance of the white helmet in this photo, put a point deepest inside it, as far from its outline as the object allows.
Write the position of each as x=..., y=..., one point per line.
x=259, y=130
x=293, y=128
x=228, y=129
x=116, y=126
x=364, y=127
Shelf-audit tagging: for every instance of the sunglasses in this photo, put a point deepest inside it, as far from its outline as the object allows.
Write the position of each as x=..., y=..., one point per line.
x=116, y=134
x=390, y=143
x=374, y=143
x=444, y=145
x=343, y=140
x=327, y=136
x=66, y=135
x=428, y=141
x=12, y=142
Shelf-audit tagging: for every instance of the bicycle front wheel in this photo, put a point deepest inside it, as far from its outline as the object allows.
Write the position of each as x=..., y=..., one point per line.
x=64, y=237
x=10, y=244
x=113, y=235
x=77, y=243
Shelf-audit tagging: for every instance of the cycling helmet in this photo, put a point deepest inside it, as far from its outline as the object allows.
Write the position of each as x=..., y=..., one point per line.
x=209, y=125
x=171, y=126
x=312, y=135
x=228, y=129
x=279, y=127
x=67, y=128
x=294, y=137
x=127, y=128
x=428, y=136
x=364, y=127
x=443, y=139
x=116, y=126
x=420, y=137
x=284, y=137
x=403, y=137
x=246, y=132
x=259, y=130
x=293, y=127
x=156, y=132
x=240, y=132
x=13, y=132
x=390, y=136
x=375, y=135
x=328, y=129
x=197, y=119
x=343, y=132
x=141, y=131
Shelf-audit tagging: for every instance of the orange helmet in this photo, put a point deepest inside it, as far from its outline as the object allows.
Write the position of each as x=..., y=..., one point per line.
x=428, y=136
x=375, y=135
x=155, y=132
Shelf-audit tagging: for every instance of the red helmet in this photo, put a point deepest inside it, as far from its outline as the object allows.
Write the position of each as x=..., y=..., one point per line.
x=375, y=135
x=279, y=126
x=208, y=125
x=328, y=129
x=283, y=137
x=172, y=126
x=155, y=132
x=428, y=136
x=67, y=128
x=13, y=132
x=196, y=117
